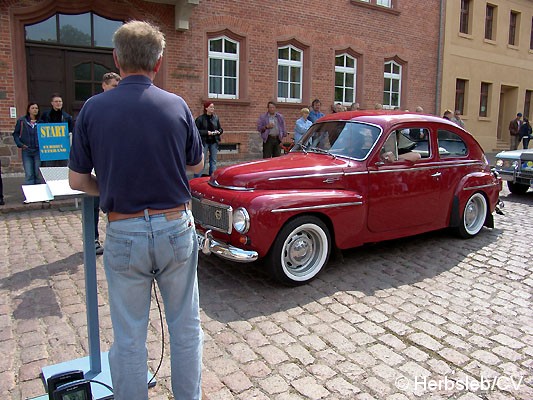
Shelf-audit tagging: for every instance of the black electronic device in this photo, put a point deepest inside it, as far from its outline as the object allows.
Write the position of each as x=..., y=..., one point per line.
x=60, y=379
x=77, y=390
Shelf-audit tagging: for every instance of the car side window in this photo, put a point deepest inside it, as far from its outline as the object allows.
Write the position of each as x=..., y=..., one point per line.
x=420, y=138
x=451, y=144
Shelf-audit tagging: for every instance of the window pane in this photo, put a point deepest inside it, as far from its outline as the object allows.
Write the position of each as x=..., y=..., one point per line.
x=348, y=96
x=230, y=68
x=104, y=30
x=388, y=67
x=295, y=91
x=295, y=74
x=82, y=72
x=75, y=29
x=215, y=45
x=338, y=94
x=283, y=73
x=339, y=79
x=99, y=71
x=215, y=67
x=230, y=47
x=350, y=62
x=82, y=91
x=386, y=99
x=215, y=85
x=395, y=85
x=395, y=99
x=43, y=31
x=230, y=86
x=295, y=55
x=349, y=80
x=339, y=61
x=283, y=89
x=395, y=68
x=387, y=85
x=283, y=53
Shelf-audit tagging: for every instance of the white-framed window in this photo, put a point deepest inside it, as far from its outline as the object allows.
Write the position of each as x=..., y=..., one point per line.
x=384, y=3
x=392, y=79
x=290, y=73
x=345, y=78
x=223, y=68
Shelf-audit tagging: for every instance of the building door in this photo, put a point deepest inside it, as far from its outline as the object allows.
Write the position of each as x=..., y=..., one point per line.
x=75, y=75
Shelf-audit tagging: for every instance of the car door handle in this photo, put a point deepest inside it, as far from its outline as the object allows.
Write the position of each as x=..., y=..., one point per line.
x=330, y=180
x=436, y=174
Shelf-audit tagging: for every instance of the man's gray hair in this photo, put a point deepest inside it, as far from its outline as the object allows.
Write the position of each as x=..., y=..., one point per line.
x=138, y=46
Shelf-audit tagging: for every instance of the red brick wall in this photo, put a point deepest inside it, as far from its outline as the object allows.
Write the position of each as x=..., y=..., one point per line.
x=411, y=34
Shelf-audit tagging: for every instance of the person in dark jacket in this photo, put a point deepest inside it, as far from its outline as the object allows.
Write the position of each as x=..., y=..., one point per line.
x=525, y=132
x=27, y=139
x=56, y=114
x=210, y=130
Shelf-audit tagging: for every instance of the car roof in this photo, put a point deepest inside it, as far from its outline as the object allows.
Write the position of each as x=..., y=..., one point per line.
x=385, y=118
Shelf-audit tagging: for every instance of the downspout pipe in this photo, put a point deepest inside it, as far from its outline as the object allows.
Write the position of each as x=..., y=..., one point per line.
x=442, y=20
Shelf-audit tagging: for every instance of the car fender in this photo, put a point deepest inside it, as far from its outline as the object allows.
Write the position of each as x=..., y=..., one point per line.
x=342, y=211
x=479, y=181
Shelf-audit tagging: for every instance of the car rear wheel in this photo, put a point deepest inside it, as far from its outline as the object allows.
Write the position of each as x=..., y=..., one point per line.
x=300, y=251
x=474, y=215
x=517, y=188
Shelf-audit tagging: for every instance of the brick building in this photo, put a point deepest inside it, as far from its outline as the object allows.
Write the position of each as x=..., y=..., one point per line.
x=239, y=53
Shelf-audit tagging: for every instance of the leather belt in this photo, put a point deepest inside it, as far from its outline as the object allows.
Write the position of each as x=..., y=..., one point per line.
x=116, y=216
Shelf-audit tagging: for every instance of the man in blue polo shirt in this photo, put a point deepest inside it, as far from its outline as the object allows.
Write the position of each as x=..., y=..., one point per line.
x=315, y=112
x=141, y=142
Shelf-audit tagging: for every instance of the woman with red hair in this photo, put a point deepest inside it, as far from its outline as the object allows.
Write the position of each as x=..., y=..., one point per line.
x=210, y=130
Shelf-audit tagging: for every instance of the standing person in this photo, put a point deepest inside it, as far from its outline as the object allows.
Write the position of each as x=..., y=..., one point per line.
x=355, y=107
x=525, y=133
x=110, y=81
x=141, y=152
x=447, y=114
x=337, y=108
x=514, y=128
x=419, y=109
x=210, y=130
x=302, y=125
x=315, y=112
x=271, y=127
x=457, y=119
x=56, y=114
x=27, y=139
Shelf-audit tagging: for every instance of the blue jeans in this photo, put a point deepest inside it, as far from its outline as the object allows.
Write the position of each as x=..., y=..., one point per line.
x=212, y=148
x=138, y=250
x=31, y=162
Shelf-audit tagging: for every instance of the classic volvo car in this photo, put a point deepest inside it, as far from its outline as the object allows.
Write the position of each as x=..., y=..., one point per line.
x=354, y=178
x=516, y=167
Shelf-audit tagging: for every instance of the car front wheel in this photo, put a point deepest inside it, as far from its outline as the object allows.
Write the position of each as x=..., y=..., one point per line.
x=474, y=215
x=300, y=251
x=517, y=188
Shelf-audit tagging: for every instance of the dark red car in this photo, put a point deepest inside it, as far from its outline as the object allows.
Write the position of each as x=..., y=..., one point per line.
x=354, y=178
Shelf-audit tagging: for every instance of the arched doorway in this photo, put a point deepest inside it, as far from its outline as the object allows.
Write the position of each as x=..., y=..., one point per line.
x=68, y=54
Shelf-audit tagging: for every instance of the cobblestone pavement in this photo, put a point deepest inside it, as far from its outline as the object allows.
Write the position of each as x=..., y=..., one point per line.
x=430, y=317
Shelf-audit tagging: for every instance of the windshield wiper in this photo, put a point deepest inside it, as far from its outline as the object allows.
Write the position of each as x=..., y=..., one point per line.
x=322, y=151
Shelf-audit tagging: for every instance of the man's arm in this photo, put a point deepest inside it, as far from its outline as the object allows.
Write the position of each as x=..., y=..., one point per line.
x=85, y=182
x=196, y=169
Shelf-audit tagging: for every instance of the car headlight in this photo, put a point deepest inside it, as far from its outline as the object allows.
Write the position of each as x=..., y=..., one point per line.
x=241, y=220
x=499, y=163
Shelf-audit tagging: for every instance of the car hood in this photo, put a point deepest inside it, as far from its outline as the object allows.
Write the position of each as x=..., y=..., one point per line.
x=292, y=171
x=513, y=154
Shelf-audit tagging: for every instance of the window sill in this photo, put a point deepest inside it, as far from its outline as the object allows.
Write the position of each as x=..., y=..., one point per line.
x=465, y=35
x=513, y=47
x=490, y=41
x=375, y=7
x=484, y=119
x=219, y=100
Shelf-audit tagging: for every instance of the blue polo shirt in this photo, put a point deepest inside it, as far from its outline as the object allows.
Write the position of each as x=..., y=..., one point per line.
x=139, y=139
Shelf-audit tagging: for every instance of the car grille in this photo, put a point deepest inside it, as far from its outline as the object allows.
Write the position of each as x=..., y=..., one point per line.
x=212, y=215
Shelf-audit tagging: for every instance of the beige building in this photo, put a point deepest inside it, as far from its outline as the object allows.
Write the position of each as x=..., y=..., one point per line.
x=487, y=66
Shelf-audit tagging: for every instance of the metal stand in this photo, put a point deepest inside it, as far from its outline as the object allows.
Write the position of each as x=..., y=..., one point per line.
x=96, y=365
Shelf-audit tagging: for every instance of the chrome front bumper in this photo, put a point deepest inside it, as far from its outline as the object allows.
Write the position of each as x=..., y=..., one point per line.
x=208, y=245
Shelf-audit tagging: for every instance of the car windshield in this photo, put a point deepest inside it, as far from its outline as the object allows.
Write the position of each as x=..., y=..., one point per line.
x=339, y=138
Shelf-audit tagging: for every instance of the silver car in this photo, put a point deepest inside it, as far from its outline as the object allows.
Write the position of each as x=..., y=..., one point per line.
x=516, y=167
